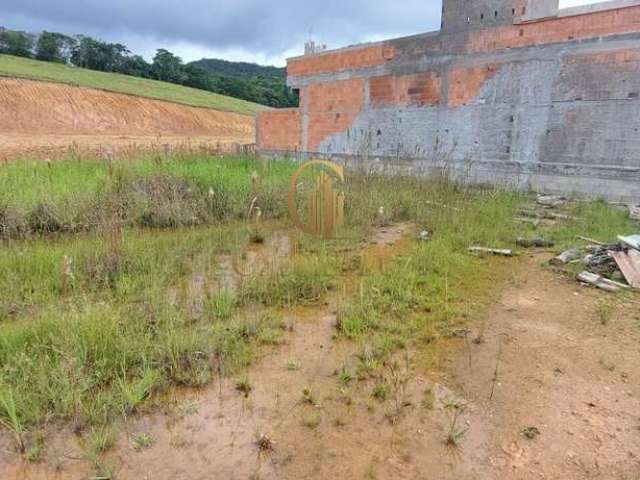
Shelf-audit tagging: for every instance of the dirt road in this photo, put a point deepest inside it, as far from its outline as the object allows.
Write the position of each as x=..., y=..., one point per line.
x=567, y=365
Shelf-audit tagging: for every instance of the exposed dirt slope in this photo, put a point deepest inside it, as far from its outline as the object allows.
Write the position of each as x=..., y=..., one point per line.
x=45, y=117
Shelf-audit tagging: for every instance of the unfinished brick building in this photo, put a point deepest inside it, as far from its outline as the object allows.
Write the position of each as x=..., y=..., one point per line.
x=511, y=91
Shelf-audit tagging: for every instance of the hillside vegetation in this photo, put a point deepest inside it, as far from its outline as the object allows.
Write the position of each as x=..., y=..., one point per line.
x=246, y=81
x=12, y=66
x=239, y=69
x=261, y=84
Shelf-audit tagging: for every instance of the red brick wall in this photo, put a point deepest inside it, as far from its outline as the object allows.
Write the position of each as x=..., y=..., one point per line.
x=280, y=130
x=420, y=89
x=465, y=83
x=344, y=95
x=590, y=25
x=367, y=56
x=332, y=108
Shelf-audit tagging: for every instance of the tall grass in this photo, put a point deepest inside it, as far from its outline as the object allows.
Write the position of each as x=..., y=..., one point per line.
x=99, y=350
x=181, y=190
x=433, y=286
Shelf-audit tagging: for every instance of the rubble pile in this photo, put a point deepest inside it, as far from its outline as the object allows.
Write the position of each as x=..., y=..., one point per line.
x=609, y=267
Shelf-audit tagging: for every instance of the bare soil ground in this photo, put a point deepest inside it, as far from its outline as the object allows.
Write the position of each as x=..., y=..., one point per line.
x=547, y=359
x=40, y=118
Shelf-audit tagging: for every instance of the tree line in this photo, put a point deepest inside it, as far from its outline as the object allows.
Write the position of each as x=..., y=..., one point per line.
x=264, y=85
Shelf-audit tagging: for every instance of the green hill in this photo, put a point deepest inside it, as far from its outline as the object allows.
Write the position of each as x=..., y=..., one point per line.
x=11, y=66
x=239, y=69
x=250, y=81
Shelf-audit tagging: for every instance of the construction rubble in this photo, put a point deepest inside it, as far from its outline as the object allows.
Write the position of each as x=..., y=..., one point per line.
x=608, y=267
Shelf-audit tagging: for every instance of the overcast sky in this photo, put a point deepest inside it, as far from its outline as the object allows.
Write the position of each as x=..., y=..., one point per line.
x=263, y=31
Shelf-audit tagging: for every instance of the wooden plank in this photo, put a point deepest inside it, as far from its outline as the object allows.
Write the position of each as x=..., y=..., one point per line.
x=629, y=264
x=567, y=257
x=601, y=282
x=492, y=251
x=591, y=240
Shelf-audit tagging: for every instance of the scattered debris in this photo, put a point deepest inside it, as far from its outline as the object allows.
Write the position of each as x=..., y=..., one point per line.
x=600, y=260
x=608, y=265
x=534, y=242
x=265, y=444
x=634, y=212
x=531, y=221
x=600, y=282
x=629, y=264
x=592, y=241
x=567, y=257
x=559, y=216
x=536, y=222
x=424, y=236
x=531, y=433
x=545, y=214
x=493, y=251
x=551, y=201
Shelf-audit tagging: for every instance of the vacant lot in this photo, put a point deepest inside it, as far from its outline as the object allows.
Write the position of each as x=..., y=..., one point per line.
x=153, y=325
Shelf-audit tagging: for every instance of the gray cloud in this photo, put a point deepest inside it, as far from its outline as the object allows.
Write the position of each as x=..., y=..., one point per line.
x=261, y=28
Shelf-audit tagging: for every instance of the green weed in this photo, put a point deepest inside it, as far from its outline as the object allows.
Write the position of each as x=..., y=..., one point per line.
x=312, y=420
x=141, y=441
x=381, y=391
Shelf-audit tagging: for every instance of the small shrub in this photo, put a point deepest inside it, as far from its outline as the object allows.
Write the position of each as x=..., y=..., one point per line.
x=345, y=377
x=308, y=397
x=381, y=391
x=12, y=224
x=222, y=306
x=428, y=399
x=312, y=420
x=293, y=366
x=141, y=441
x=166, y=202
x=244, y=386
x=43, y=219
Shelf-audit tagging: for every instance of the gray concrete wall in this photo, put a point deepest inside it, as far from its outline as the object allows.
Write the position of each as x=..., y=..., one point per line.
x=542, y=122
x=461, y=15
x=563, y=117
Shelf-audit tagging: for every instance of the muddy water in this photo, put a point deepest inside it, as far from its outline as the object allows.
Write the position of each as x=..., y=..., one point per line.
x=223, y=273
x=257, y=258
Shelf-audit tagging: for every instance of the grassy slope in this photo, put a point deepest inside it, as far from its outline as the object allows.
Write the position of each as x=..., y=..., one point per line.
x=113, y=82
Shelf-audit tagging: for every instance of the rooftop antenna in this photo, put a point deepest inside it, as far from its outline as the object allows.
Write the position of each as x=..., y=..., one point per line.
x=310, y=47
